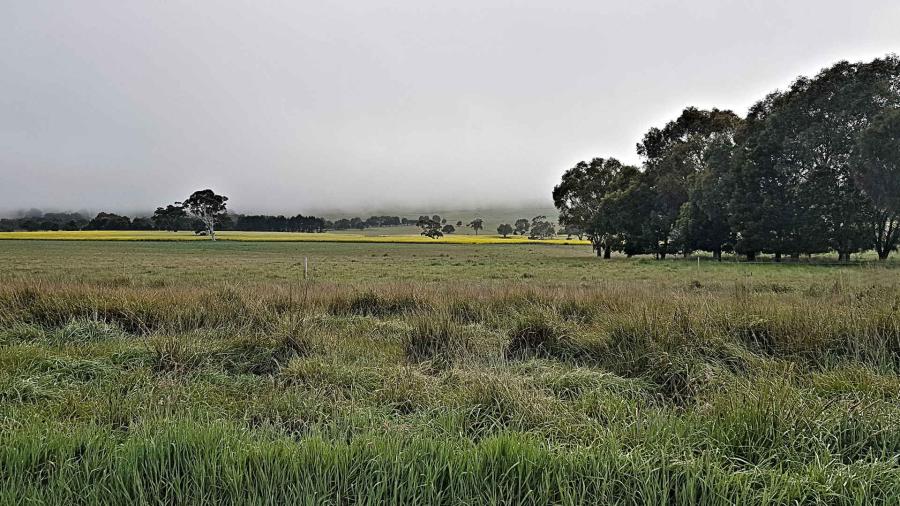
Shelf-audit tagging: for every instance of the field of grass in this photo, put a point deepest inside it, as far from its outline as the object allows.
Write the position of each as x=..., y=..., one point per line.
x=191, y=372
x=402, y=235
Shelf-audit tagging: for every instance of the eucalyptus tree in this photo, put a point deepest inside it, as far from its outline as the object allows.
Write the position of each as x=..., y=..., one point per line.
x=674, y=157
x=877, y=173
x=589, y=199
x=207, y=207
x=476, y=225
x=795, y=188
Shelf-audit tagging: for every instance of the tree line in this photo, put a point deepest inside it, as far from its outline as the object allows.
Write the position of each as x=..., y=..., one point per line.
x=204, y=212
x=811, y=169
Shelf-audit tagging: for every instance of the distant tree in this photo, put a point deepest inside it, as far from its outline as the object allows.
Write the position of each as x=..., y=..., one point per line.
x=172, y=218
x=436, y=218
x=476, y=225
x=357, y=223
x=72, y=225
x=206, y=207
x=607, y=201
x=541, y=228
x=226, y=222
x=448, y=229
x=504, y=230
x=877, y=173
x=141, y=224
x=109, y=221
x=571, y=230
x=430, y=227
x=383, y=221
x=49, y=225
x=459, y=223
x=521, y=226
x=66, y=221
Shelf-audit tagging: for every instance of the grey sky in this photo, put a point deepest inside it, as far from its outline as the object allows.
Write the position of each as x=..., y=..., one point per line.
x=296, y=106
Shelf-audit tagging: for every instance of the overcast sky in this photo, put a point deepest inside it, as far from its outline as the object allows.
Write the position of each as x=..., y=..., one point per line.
x=297, y=106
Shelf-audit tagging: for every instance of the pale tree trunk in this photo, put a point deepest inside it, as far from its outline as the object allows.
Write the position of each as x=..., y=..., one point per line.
x=210, y=222
x=887, y=230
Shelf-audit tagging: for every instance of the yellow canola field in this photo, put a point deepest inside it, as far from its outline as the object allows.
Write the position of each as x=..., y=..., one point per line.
x=155, y=235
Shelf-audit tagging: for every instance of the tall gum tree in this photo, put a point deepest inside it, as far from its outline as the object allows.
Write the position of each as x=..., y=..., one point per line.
x=207, y=207
x=796, y=191
x=585, y=201
x=877, y=173
x=674, y=157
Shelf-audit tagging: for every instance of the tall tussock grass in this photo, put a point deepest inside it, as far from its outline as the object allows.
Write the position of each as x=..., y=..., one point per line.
x=450, y=393
x=541, y=332
x=436, y=338
x=370, y=303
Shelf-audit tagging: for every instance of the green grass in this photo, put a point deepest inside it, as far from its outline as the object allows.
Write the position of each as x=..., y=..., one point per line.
x=173, y=373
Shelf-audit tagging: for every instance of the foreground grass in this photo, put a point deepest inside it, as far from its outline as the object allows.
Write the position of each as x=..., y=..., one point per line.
x=650, y=383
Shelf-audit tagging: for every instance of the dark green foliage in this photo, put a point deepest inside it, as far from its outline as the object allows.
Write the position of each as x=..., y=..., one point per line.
x=109, y=221
x=431, y=227
x=597, y=198
x=877, y=173
x=797, y=176
x=521, y=226
x=172, y=218
x=675, y=157
x=208, y=209
x=794, y=171
x=541, y=228
x=476, y=225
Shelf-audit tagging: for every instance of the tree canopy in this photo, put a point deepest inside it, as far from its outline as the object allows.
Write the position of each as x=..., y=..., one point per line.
x=810, y=169
x=207, y=207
